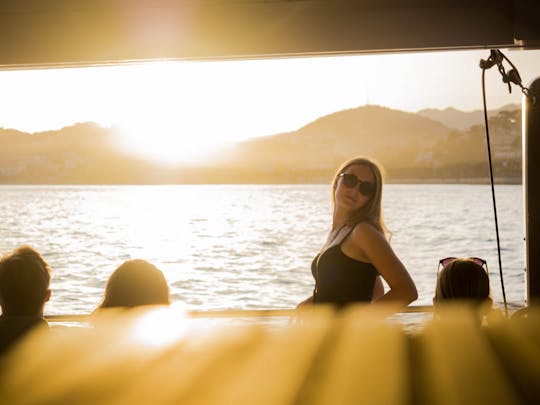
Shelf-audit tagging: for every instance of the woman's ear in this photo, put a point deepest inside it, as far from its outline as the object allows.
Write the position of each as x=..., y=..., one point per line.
x=48, y=295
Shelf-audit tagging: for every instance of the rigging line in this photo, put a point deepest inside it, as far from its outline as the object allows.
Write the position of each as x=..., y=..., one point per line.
x=493, y=190
x=514, y=77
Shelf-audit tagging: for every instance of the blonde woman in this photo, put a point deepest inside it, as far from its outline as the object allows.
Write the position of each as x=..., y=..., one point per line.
x=357, y=252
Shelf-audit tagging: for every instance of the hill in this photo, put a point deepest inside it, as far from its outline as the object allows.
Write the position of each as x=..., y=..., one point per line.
x=463, y=120
x=80, y=154
x=319, y=147
x=411, y=147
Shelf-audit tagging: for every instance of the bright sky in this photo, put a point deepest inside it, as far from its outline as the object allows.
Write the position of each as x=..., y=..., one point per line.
x=168, y=107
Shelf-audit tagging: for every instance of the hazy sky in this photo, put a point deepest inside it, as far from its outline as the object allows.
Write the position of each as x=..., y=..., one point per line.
x=204, y=103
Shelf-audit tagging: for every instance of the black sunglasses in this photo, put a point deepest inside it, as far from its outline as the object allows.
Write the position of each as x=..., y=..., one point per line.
x=447, y=260
x=350, y=181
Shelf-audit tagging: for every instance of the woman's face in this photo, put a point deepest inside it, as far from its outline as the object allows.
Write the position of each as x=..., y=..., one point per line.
x=351, y=198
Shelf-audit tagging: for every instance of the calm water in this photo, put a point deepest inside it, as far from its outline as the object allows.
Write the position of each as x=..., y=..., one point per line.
x=245, y=246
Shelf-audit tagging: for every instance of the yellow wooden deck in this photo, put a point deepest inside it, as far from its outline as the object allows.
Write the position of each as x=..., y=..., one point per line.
x=319, y=357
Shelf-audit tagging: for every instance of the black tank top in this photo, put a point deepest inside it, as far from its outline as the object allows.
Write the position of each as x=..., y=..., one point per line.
x=340, y=279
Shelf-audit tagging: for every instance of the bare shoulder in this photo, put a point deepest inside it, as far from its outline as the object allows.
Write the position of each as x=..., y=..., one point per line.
x=365, y=230
x=365, y=234
x=368, y=244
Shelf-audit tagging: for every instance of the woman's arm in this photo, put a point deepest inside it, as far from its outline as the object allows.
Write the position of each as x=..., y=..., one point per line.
x=369, y=242
x=378, y=290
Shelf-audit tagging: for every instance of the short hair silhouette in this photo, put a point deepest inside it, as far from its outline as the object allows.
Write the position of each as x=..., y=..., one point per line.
x=135, y=283
x=24, y=282
x=462, y=279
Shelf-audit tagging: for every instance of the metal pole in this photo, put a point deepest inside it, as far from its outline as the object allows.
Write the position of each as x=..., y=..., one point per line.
x=531, y=190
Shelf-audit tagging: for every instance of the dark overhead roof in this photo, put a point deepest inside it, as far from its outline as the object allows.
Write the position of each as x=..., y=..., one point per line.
x=72, y=32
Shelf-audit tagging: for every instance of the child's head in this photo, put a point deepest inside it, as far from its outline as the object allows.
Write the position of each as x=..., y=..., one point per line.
x=462, y=279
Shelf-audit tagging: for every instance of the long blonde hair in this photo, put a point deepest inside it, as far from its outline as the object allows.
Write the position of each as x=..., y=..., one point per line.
x=372, y=210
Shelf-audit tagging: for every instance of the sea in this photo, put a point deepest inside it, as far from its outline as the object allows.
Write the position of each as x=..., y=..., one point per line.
x=232, y=247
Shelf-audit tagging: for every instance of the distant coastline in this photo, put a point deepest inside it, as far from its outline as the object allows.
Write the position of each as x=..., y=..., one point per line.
x=429, y=147
x=474, y=180
x=411, y=181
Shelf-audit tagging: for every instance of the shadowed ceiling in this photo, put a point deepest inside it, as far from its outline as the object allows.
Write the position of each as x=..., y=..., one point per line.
x=87, y=32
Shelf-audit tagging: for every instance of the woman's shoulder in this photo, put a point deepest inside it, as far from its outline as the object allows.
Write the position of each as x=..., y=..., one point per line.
x=365, y=232
x=366, y=228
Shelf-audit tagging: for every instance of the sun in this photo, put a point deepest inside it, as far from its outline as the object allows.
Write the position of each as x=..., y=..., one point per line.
x=169, y=117
x=167, y=142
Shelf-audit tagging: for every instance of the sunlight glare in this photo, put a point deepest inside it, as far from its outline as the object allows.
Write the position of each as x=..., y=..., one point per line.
x=166, y=142
x=160, y=326
x=169, y=118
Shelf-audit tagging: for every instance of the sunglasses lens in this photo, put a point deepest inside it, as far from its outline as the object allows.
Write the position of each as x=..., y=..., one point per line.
x=367, y=189
x=478, y=261
x=349, y=180
x=447, y=261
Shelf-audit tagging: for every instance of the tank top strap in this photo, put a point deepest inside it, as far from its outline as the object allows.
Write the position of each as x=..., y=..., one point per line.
x=349, y=231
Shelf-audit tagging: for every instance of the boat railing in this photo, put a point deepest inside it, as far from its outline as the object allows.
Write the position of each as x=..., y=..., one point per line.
x=229, y=313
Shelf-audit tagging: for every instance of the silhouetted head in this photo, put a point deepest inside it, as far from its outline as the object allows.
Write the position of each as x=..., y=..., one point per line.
x=462, y=279
x=370, y=192
x=134, y=283
x=24, y=282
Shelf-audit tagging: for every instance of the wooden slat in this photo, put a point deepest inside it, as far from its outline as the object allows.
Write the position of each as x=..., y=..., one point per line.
x=363, y=360
x=517, y=344
x=190, y=367
x=272, y=373
x=456, y=365
x=320, y=357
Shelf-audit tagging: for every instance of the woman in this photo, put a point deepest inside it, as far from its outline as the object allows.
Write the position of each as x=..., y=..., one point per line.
x=357, y=251
x=135, y=283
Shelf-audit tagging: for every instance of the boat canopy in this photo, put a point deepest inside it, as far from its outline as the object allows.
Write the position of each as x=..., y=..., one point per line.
x=41, y=33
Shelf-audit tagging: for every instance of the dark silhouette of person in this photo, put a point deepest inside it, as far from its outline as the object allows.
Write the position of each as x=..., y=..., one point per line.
x=464, y=280
x=135, y=283
x=24, y=290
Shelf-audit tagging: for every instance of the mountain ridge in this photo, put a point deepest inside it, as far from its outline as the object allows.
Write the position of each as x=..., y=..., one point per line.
x=462, y=120
x=410, y=146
